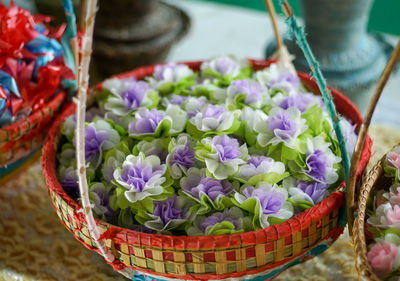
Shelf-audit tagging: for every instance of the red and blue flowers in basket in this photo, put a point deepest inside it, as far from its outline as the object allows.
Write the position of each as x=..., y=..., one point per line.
x=32, y=67
x=220, y=151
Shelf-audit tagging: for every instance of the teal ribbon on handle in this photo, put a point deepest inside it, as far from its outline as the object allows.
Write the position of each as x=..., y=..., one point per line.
x=69, y=33
x=298, y=32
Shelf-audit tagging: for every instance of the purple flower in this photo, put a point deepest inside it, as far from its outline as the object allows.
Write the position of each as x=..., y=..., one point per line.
x=271, y=201
x=253, y=90
x=177, y=99
x=137, y=176
x=210, y=187
x=219, y=217
x=301, y=101
x=183, y=156
x=320, y=161
x=267, y=201
x=69, y=181
x=168, y=209
x=285, y=79
x=223, y=65
x=146, y=121
x=213, y=111
x=315, y=190
x=101, y=197
x=134, y=93
x=94, y=139
x=316, y=164
x=256, y=160
x=227, y=148
x=282, y=125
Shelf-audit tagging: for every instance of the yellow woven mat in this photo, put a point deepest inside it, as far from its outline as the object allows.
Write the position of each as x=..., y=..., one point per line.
x=35, y=246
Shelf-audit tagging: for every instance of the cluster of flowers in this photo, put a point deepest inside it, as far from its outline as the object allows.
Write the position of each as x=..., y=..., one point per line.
x=384, y=223
x=219, y=151
x=31, y=63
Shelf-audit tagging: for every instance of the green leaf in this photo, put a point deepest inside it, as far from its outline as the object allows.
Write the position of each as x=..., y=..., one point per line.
x=301, y=204
x=239, y=100
x=163, y=128
x=271, y=178
x=167, y=88
x=103, y=95
x=193, y=132
x=154, y=97
x=314, y=119
x=125, y=218
x=288, y=154
x=274, y=220
x=142, y=216
x=223, y=228
x=211, y=72
x=202, y=91
x=122, y=202
x=392, y=230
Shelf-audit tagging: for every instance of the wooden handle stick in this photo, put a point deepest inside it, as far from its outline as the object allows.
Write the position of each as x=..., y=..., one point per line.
x=284, y=59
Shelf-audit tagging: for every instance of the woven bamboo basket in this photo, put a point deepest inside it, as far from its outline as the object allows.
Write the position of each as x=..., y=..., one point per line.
x=22, y=140
x=255, y=255
x=374, y=180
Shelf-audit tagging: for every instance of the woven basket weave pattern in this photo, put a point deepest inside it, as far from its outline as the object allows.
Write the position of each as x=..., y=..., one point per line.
x=205, y=257
x=374, y=179
x=19, y=139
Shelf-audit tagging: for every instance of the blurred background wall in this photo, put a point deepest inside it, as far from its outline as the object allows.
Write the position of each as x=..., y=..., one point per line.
x=383, y=18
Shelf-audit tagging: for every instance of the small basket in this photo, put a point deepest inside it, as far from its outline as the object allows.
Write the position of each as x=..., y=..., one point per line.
x=255, y=255
x=374, y=180
x=23, y=139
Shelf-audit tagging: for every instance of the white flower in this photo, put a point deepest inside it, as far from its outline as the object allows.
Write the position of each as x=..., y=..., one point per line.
x=258, y=165
x=223, y=65
x=386, y=216
x=272, y=77
x=214, y=118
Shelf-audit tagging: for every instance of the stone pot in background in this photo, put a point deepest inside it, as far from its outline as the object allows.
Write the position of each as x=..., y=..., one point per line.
x=131, y=33
x=128, y=33
x=350, y=58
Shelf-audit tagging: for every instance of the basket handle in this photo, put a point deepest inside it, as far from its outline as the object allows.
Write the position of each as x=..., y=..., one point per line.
x=82, y=78
x=351, y=191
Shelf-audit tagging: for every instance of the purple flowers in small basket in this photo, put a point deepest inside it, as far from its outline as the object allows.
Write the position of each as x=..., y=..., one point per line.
x=220, y=151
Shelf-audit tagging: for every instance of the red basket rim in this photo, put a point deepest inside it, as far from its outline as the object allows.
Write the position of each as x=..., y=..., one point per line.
x=271, y=233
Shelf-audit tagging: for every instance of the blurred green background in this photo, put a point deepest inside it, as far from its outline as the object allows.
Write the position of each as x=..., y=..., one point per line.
x=384, y=15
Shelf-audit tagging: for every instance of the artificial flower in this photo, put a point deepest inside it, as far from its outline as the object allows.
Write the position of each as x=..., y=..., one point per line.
x=141, y=177
x=222, y=155
x=181, y=155
x=281, y=126
x=384, y=258
x=229, y=221
x=268, y=203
